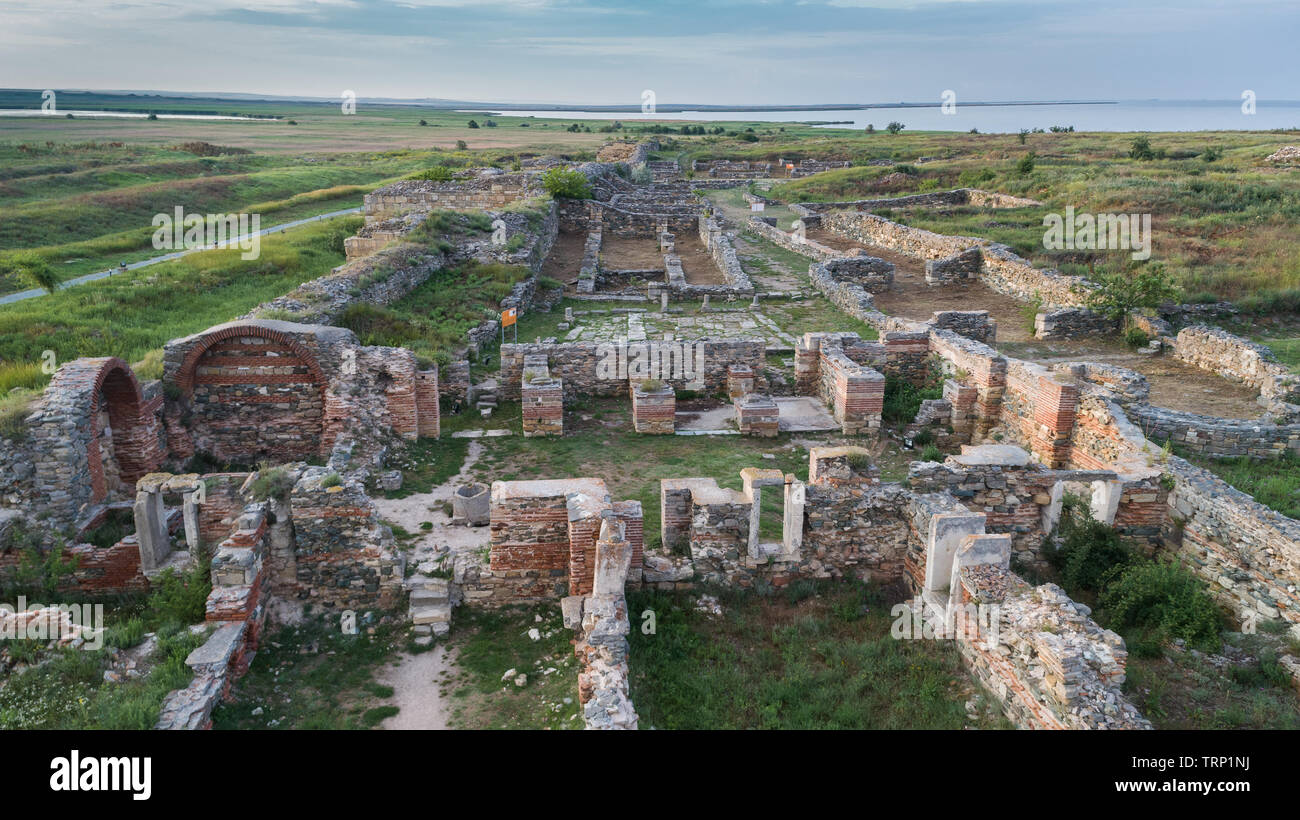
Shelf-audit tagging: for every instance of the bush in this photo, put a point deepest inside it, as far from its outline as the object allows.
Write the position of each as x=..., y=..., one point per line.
x=1121, y=291
x=1025, y=166
x=438, y=173
x=1089, y=549
x=181, y=597
x=895, y=127
x=271, y=482
x=1141, y=149
x=1163, y=600
x=1136, y=337
x=931, y=453
x=566, y=183
x=903, y=400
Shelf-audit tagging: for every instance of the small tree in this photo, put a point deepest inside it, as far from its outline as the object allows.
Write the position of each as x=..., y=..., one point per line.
x=461, y=145
x=1141, y=149
x=1122, y=291
x=1025, y=166
x=566, y=183
x=895, y=127
x=473, y=124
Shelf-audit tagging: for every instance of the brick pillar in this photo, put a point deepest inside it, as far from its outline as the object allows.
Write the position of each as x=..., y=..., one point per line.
x=427, y=410
x=1055, y=405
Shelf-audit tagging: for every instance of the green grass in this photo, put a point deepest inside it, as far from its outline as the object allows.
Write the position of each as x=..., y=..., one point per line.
x=808, y=657
x=67, y=690
x=428, y=463
x=1275, y=482
x=314, y=676
x=130, y=315
x=432, y=319
x=1218, y=226
x=1181, y=689
x=604, y=446
x=488, y=643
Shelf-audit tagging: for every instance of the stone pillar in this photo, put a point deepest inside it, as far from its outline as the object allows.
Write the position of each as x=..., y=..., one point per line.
x=151, y=528
x=757, y=415
x=654, y=411
x=740, y=380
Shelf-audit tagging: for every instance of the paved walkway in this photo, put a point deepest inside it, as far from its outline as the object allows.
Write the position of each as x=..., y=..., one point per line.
x=167, y=257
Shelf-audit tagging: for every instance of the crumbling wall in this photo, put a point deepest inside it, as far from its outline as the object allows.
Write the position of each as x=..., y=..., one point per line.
x=344, y=556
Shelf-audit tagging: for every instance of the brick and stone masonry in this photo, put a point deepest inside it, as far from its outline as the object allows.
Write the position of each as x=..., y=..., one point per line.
x=654, y=408
x=541, y=399
x=757, y=415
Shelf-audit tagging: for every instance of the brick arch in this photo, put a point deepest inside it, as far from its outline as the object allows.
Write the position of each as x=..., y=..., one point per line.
x=185, y=373
x=262, y=399
x=80, y=389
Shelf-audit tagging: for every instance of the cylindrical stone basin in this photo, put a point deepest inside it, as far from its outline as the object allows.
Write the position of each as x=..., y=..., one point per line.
x=470, y=504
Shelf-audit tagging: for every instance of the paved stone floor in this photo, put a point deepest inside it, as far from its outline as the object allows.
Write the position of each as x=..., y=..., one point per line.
x=797, y=414
x=639, y=326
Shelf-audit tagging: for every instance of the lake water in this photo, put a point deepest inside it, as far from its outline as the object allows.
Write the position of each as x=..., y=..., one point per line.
x=1150, y=115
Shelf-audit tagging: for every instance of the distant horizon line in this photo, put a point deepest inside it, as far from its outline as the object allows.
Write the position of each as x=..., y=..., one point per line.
x=448, y=103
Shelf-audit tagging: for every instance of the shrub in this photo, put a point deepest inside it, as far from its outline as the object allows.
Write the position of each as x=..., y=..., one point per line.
x=566, y=183
x=438, y=173
x=1164, y=600
x=181, y=597
x=331, y=480
x=1025, y=166
x=1141, y=149
x=1088, y=550
x=126, y=634
x=894, y=127
x=923, y=438
x=271, y=482
x=931, y=453
x=1136, y=337
x=1121, y=291
x=903, y=400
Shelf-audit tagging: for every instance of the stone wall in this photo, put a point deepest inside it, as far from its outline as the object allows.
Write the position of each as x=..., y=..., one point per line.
x=960, y=196
x=1047, y=663
x=653, y=411
x=601, y=622
x=486, y=192
x=1239, y=360
x=93, y=433
x=579, y=364
x=344, y=556
x=236, y=609
x=1249, y=554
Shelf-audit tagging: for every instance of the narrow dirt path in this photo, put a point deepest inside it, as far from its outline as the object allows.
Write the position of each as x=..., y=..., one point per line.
x=417, y=689
x=416, y=679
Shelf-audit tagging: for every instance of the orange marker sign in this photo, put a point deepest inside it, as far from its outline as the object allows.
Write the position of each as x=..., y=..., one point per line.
x=508, y=317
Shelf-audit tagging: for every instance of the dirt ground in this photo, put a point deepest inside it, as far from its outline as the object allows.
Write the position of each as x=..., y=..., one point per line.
x=565, y=259
x=697, y=264
x=1174, y=384
x=617, y=253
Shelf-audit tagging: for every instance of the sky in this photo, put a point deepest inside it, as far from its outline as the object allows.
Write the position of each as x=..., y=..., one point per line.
x=768, y=52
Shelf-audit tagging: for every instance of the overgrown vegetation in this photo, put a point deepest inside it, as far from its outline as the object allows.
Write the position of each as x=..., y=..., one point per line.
x=903, y=399
x=809, y=656
x=432, y=319
x=314, y=676
x=1274, y=482
x=490, y=643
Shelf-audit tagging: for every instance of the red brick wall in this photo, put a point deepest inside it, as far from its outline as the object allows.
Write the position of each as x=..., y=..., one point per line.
x=530, y=533
x=426, y=403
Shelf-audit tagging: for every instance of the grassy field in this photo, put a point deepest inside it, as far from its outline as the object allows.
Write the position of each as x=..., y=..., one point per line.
x=137, y=312
x=314, y=677
x=80, y=193
x=805, y=657
x=486, y=645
